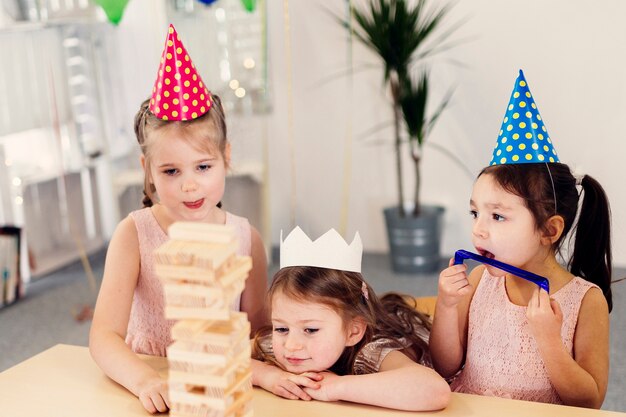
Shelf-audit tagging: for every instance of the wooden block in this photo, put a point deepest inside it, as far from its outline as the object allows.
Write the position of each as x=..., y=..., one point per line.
x=221, y=334
x=182, y=359
x=239, y=269
x=215, y=385
x=234, y=268
x=201, y=232
x=173, y=276
x=175, y=273
x=198, y=254
x=187, y=301
x=192, y=404
x=175, y=313
x=189, y=328
x=193, y=295
x=215, y=348
x=232, y=380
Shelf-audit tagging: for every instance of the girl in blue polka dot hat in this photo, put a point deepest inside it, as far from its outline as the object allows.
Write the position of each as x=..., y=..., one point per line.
x=497, y=334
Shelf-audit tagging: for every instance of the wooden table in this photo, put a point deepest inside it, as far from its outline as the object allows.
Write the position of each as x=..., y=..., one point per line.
x=64, y=381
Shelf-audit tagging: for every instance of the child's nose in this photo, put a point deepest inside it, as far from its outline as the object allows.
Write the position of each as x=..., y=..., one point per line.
x=292, y=343
x=479, y=229
x=189, y=185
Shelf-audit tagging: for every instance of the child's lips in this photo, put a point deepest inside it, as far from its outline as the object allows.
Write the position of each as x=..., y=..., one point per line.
x=295, y=361
x=485, y=253
x=194, y=204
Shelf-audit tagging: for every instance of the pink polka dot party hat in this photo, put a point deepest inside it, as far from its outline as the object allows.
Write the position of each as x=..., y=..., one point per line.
x=523, y=137
x=178, y=93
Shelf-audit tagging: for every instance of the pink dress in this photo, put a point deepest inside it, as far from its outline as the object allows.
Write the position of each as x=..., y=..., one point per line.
x=502, y=357
x=148, y=330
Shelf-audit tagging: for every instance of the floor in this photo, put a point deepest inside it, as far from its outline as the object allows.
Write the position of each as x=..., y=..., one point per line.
x=48, y=314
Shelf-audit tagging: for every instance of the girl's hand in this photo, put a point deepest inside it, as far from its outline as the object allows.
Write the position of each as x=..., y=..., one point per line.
x=453, y=285
x=325, y=390
x=545, y=317
x=153, y=395
x=292, y=386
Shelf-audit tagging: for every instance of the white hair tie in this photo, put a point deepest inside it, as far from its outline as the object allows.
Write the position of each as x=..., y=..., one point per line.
x=578, y=175
x=579, y=179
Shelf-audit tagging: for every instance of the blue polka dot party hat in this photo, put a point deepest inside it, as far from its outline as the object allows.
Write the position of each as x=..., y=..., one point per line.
x=523, y=137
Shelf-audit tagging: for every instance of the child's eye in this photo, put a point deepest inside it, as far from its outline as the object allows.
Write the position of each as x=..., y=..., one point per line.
x=310, y=330
x=497, y=217
x=171, y=171
x=473, y=213
x=204, y=167
x=281, y=330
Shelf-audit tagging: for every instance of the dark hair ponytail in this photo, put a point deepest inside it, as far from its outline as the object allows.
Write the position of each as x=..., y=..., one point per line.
x=592, y=258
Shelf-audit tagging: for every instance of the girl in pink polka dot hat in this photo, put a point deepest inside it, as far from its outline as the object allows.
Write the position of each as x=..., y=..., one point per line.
x=498, y=334
x=181, y=130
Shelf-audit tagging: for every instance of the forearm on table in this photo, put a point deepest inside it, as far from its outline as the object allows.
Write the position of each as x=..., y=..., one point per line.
x=119, y=362
x=408, y=388
x=260, y=372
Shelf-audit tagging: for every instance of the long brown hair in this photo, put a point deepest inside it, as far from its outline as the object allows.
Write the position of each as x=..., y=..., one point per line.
x=212, y=125
x=390, y=316
x=550, y=189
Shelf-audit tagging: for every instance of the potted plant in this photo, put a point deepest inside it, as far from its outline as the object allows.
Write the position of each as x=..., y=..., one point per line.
x=403, y=35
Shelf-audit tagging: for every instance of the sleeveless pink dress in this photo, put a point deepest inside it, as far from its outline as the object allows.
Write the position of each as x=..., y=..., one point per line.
x=502, y=358
x=148, y=330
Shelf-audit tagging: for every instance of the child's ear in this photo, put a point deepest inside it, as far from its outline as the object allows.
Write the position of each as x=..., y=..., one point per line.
x=356, y=330
x=142, y=160
x=553, y=230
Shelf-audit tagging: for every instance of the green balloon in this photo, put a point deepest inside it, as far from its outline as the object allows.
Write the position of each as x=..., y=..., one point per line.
x=114, y=9
x=249, y=5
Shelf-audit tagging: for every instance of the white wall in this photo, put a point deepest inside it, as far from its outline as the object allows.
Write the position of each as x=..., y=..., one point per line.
x=572, y=53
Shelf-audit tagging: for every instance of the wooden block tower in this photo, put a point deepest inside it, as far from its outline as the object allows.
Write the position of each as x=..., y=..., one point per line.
x=209, y=360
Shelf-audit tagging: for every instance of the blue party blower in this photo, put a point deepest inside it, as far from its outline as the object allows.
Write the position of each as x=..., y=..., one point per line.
x=461, y=255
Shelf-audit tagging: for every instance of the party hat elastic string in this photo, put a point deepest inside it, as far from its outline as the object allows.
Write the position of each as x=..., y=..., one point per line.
x=553, y=189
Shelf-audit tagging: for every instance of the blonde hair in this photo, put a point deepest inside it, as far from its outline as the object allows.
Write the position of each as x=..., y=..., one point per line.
x=212, y=124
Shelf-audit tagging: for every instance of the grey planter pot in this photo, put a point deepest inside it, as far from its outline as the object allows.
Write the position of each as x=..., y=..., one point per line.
x=414, y=242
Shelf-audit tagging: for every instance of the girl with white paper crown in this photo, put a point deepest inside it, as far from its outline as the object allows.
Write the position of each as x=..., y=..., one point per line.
x=333, y=339
x=185, y=156
x=503, y=335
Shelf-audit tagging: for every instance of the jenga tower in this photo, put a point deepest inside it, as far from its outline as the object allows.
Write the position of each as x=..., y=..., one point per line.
x=209, y=360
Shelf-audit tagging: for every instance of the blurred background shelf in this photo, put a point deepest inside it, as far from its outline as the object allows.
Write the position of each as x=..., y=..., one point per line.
x=69, y=167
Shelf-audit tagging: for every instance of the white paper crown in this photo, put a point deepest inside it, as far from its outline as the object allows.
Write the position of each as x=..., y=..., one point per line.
x=329, y=251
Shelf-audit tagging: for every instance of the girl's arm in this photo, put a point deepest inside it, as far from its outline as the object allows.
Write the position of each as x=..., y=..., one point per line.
x=448, y=337
x=283, y=383
x=400, y=384
x=582, y=380
x=110, y=322
x=253, y=296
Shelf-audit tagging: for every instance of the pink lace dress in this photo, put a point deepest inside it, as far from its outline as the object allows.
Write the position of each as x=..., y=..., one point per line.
x=148, y=330
x=502, y=356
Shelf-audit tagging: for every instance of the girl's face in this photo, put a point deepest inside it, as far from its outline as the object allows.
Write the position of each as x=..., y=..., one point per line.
x=309, y=336
x=189, y=182
x=504, y=229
